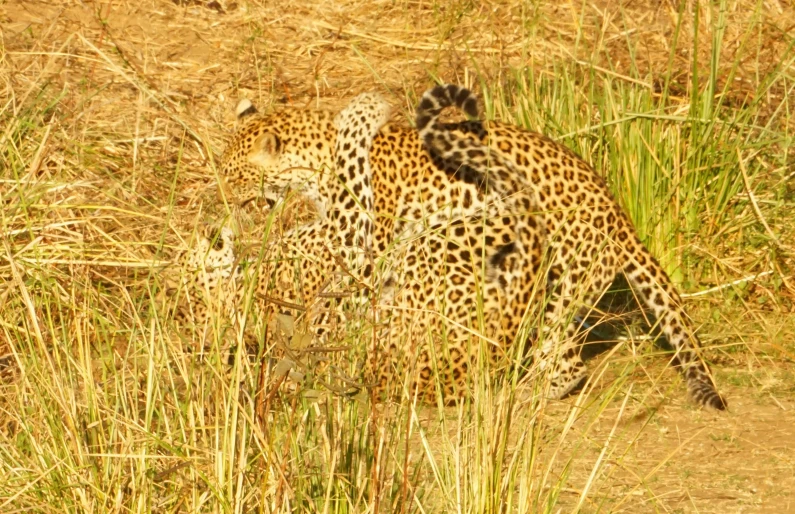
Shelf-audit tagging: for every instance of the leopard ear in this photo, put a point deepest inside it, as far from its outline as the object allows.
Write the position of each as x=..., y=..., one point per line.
x=268, y=144
x=245, y=109
x=264, y=150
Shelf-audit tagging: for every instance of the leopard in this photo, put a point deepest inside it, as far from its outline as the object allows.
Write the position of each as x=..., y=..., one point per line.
x=422, y=292
x=438, y=190
x=215, y=273
x=208, y=270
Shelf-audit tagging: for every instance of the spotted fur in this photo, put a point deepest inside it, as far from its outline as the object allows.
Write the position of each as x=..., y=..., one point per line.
x=339, y=242
x=590, y=241
x=208, y=272
x=438, y=193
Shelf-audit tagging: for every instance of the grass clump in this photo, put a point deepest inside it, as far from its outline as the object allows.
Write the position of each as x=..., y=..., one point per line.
x=107, y=407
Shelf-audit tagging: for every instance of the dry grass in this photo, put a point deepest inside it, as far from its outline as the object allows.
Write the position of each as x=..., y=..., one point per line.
x=112, y=115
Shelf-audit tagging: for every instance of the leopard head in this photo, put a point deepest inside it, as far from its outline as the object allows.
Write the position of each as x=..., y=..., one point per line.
x=271, y=155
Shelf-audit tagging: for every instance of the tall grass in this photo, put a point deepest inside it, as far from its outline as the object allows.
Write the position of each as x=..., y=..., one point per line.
x=113, y=409
x=677, y=164
x=676, y=173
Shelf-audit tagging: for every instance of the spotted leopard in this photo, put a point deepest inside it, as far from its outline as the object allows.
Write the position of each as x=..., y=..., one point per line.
x=424, y=189
x=309, y=259
x=208, y=276
x=427, y=303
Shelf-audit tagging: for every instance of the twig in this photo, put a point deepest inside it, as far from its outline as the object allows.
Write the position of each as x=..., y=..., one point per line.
x=752, y=197
x=280, y=303
x=413, y=46
x=729, y=284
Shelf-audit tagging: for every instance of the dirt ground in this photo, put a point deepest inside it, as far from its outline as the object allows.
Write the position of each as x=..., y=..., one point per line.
x=695, y=461
x=134, y=77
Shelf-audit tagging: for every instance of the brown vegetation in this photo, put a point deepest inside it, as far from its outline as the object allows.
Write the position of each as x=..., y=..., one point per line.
x=112, y=114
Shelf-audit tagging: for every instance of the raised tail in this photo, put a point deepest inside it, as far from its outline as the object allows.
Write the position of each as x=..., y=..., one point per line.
x=508, y=195
x=357, y=125
x=489, y=169
x=438, y=98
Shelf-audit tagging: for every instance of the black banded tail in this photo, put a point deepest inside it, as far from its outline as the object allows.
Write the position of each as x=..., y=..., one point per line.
x=478, y=164
x=437, y=99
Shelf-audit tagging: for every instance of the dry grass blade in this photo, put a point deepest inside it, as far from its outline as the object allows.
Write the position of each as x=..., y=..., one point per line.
x=110, y=117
